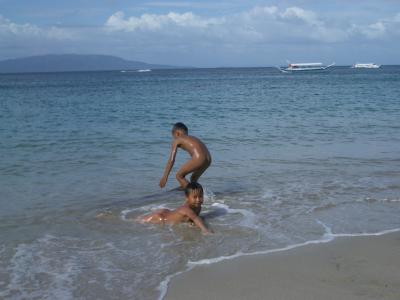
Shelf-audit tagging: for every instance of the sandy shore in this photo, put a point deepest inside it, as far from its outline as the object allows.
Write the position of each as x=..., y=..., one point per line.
x=346, y=268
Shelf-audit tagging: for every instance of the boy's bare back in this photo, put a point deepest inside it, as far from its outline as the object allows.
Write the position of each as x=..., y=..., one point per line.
x=194, y=147
x=182, y=214
x=200, y=156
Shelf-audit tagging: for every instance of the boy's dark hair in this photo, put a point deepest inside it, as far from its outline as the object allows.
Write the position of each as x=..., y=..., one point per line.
x=193, y=187
x=180, y=126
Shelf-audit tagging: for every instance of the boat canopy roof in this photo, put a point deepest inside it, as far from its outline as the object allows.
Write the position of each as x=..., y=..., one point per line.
x=306, y=64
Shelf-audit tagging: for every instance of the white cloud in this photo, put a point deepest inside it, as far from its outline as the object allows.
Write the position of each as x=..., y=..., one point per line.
x=304, y=16
x=257, y=11
x=188, y=5
x=375, y=30
x=8, y=28
x=260, y=24
x=391, y=25
x=292, y=25
x=152, y=22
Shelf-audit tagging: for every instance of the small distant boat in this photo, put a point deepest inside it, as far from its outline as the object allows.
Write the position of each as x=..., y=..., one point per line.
x=132, y=71
x=366, y=66
x=297, y=67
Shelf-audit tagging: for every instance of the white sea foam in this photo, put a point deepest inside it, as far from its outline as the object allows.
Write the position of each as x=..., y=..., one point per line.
x=52, y=267
x=362, y=200
x=366, y=233
x=30, y=260
x=268, y=194
x=249, y=218
x=328, y=231
x=324, y=207
x=327, y=237
x=209, y=196
x=384, y=200
x=163, y=287
x=147, y=208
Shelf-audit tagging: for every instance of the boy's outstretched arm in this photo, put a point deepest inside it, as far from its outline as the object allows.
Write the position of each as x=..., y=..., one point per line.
x=198, y=221
x=170, y=164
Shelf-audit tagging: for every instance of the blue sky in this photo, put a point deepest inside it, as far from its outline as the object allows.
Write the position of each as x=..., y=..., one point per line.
x=205, y=33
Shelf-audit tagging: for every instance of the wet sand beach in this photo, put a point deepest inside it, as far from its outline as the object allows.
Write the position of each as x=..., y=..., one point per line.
x=365, y=267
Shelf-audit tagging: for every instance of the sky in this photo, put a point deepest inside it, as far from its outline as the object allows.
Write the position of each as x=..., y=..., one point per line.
x=205, y=33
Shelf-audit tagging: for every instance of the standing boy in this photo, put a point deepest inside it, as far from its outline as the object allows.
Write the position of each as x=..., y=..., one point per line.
x=200, y=161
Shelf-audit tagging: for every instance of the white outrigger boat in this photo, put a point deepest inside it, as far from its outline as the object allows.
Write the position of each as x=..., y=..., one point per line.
x=297, y=67
x=366, y=66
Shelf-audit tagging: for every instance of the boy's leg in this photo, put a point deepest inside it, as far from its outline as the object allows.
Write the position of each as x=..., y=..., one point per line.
x=154, y=217
x=189, y=167
x=197, y=173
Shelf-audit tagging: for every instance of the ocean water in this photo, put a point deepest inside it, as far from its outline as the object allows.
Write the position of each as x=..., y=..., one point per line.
x=296, y=157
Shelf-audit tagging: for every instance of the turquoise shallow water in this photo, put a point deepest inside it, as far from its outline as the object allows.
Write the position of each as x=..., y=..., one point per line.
x=289, y=151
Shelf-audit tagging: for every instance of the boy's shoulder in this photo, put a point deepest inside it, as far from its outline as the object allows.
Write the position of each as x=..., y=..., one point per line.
x=183, y=139
x=190, y=138
x=184, y=209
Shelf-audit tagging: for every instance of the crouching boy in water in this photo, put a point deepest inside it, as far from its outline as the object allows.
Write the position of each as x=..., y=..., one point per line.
x=188, y=212
x=201, y=157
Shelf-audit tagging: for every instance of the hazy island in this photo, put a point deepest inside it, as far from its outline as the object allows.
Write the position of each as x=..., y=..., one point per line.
x=73, y=62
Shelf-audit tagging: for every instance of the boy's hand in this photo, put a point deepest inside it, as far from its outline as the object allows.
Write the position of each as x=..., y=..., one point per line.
x=163, y=182
x=207, y=232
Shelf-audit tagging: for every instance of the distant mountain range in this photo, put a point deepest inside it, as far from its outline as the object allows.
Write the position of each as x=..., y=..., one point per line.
x=73, y=62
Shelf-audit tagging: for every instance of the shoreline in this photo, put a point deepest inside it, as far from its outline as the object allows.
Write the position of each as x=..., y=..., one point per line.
x=347, y=266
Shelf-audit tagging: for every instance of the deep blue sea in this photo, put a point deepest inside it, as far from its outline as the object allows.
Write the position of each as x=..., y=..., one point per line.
x=295, y=157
